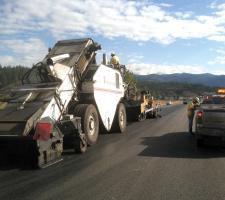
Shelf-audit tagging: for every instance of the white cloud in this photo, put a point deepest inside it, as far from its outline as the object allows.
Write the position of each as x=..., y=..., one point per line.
x=6, y=60
x=147, y=68
x=25, y=53
x=166, y=5
x=135, y=20
x=134, y=58
x=218, y=38
x=184, y=15
x=220, y=58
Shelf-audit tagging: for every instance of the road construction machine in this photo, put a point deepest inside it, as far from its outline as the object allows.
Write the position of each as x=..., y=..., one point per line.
x=63, y=102
x=140, y=105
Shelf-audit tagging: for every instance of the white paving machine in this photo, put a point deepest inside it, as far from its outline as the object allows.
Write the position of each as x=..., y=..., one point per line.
x=62, y=104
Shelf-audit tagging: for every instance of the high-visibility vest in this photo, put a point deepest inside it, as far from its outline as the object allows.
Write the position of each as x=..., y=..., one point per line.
x=115, y=61
x=191, y=107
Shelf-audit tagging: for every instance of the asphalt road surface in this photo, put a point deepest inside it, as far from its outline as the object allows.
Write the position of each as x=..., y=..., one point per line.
x=154, y=159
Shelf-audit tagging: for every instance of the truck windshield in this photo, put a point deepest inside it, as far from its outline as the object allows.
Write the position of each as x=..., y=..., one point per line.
x=214, y=100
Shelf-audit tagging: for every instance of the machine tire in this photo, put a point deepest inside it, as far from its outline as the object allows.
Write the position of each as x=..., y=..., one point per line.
x=120, y=119
x=200, y=142
x=155, y=114
x=142, y=117
x=89, y=121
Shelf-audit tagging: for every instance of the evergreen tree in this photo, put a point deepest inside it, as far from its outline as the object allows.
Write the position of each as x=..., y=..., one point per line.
x=11, y=75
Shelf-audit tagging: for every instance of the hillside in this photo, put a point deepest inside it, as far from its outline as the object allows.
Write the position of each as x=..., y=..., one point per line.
x=203, y=79
x=174, y=89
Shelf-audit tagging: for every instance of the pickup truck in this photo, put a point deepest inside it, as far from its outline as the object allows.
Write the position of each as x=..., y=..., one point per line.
x=210, y=119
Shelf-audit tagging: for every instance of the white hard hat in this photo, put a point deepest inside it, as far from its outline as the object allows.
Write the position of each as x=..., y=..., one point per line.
x=196, y=99
x=113, y=53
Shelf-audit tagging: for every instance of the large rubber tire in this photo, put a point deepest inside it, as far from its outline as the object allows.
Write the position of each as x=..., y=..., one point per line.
x=120, y=119
x=200, y=142
x=154, y=114
x=142, y=117
x=89, y=121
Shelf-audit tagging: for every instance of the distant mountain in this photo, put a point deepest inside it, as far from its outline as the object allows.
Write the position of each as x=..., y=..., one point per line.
x=203, y=79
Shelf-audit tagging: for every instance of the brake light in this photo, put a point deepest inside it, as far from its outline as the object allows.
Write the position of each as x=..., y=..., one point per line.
x=43, y=131
x=199, y=114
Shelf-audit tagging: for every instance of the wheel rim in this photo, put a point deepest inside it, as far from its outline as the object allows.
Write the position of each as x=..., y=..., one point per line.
x=139, y=117
x=121, y=118
x=91, y=125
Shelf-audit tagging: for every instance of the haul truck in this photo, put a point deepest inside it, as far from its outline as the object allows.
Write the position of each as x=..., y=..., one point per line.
x=62, y=103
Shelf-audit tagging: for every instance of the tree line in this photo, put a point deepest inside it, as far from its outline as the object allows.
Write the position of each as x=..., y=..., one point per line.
x=11, y=75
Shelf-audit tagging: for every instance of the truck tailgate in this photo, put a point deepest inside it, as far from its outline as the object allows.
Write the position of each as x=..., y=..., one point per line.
x=214, y=117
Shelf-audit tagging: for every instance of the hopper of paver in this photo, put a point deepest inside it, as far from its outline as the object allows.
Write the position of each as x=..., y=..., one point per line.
x=80, y=53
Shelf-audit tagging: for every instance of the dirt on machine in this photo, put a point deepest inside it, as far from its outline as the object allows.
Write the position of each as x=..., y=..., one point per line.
x=63, y=103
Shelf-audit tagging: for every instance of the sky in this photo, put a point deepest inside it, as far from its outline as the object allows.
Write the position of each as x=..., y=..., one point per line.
x=149, y=36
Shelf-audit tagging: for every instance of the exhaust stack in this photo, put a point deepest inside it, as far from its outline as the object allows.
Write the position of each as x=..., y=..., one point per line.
x=104, y=59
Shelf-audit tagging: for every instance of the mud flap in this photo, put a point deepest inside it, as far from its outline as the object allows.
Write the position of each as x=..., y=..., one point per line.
x=49, y=140
x=73, y=136
x=49, y=153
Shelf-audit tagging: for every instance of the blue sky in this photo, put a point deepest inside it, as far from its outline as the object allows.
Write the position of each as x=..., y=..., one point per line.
x=150, y=36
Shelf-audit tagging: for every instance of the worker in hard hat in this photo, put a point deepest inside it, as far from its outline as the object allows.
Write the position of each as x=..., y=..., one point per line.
x=115, y=61
x=191, y=111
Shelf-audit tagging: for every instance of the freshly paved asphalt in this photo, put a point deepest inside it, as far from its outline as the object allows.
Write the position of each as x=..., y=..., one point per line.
x=154, y=159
